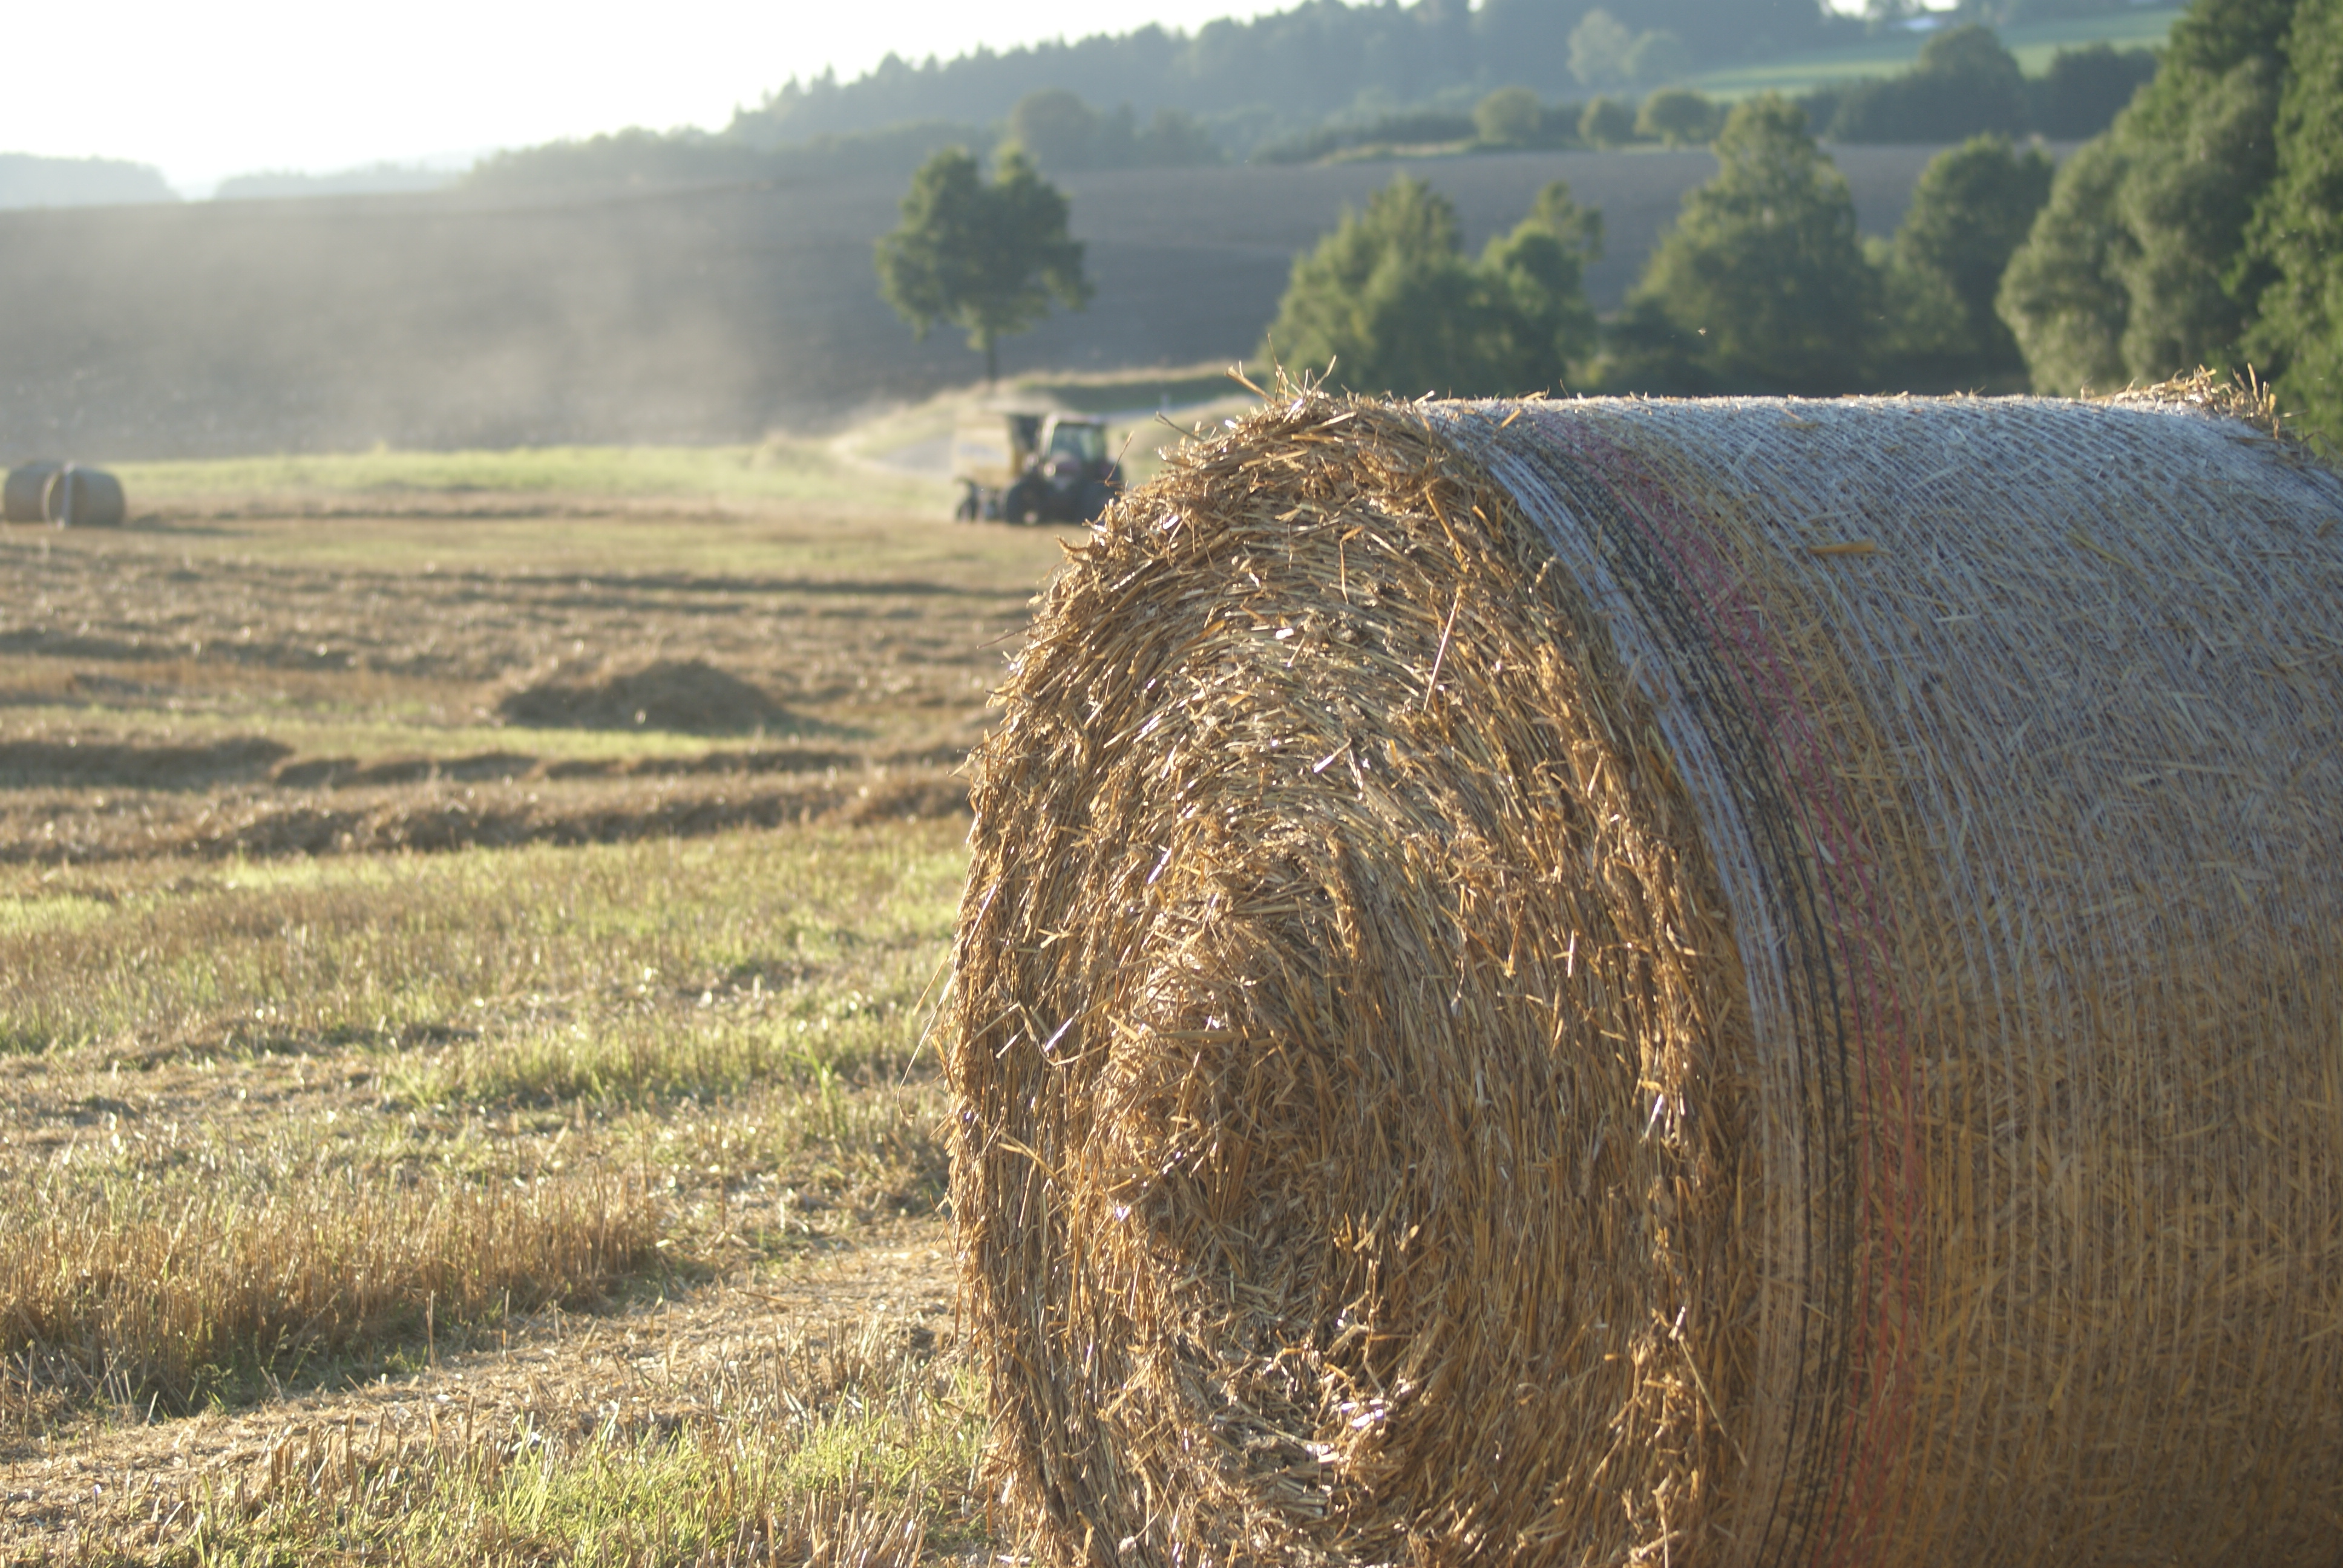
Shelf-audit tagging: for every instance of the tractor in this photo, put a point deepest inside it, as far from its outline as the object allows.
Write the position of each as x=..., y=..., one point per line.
x=1051, y=469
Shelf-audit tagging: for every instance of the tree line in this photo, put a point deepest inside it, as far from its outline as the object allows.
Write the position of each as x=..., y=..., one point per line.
x=1292, y=70
x=2201, y=228
x=1963, y=84
x=1325, y=76
x=2204, y=227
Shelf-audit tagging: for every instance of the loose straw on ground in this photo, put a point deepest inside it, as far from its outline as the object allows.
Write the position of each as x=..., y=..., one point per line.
x=1738, y=982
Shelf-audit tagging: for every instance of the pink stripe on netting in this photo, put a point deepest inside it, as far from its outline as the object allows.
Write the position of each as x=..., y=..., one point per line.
x=1879, y=1420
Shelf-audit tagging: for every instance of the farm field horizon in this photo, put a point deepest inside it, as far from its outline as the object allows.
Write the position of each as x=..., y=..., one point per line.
x=468, y=929
x=704, y=316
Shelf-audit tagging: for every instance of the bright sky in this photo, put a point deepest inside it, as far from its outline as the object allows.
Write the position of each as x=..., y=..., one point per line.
x=203, y=91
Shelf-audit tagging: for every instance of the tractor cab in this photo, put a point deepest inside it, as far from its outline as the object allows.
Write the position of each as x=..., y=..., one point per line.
x=1038, y=468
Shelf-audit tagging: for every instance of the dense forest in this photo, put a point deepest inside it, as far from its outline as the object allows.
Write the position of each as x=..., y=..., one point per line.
x=1610, y=75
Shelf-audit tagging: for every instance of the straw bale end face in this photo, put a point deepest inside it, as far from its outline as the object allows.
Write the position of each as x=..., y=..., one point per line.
x=1329, y=924
x=1516, y=1001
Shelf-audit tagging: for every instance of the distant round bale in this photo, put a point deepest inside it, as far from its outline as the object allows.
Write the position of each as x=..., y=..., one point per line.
x=65, y=493
x=1718, y=983
x=79, y=497
x=23, y=495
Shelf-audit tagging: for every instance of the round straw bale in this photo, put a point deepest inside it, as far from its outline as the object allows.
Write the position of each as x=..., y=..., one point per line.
x=75, y=497
x=22, y=493
x=1735, y=982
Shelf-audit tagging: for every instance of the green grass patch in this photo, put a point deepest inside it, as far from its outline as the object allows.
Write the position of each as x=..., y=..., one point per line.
x=383, y=947
x=401, y=730
x=1122, y=391
x=2034, y=45
x=915, y=542
x=782, y=469
x=866, y=1454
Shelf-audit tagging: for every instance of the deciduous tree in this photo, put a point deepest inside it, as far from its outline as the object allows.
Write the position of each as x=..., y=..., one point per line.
x=2297, y=236
x=989, y=257
x=1607, y=123
x=1964, y=83
x=1971, y=210
x=1760, y=285
x=1658, y=55
x=2085, y=89
x=1677, y=117
x=1508, y=117
x=1538, y=276
x=1056, y=129
x=1388, y=302
x=2137, y=267
x=1599, y=46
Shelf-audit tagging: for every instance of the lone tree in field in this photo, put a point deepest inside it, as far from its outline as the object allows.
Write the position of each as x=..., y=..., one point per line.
x=988, y=258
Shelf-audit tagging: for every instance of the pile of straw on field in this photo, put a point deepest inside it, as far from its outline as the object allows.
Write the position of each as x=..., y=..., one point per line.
x=688, y=696
x=1734, y=982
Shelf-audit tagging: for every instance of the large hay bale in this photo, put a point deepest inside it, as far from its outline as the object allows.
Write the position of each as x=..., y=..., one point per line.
x=1734, y=982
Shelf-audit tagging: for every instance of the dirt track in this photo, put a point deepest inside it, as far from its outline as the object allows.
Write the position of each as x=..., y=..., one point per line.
x=703, y=315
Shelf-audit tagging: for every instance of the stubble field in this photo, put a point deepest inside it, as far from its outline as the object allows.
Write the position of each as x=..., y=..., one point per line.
x=465, y=950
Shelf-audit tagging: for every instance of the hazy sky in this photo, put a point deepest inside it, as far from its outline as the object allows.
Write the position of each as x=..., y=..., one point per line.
x=233, y=87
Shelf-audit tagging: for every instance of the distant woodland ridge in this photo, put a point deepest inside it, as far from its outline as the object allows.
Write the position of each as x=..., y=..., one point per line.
x=27, y=180
x=1298, y=85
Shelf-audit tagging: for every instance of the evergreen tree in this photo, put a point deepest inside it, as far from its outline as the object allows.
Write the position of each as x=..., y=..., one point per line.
x=988, y=258
x=1760, y=285
x=2137, y=268
x=1290, y=68
x=2297, y=236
